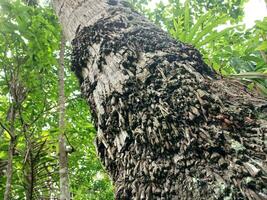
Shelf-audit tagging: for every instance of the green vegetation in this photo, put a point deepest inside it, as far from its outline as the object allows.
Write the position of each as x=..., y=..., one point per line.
x=29, y=48
x=216, y=29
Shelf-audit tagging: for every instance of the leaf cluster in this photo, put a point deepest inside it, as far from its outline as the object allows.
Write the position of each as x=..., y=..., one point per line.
x=215, y=28
x=29, y=52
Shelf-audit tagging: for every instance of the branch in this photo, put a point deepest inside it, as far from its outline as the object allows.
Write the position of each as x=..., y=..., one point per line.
x=6, y=129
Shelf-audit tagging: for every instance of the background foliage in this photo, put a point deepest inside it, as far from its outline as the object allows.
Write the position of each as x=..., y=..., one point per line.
x=216, y=29
x=29, y=48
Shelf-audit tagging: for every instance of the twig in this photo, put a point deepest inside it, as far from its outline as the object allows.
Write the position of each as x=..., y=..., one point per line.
x=6, y=129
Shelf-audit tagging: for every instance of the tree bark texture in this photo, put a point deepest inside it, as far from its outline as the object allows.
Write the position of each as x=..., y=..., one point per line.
x=63, y=155
x=167, y=127
x=9, y=171
x=11, y=150
x=29, y=171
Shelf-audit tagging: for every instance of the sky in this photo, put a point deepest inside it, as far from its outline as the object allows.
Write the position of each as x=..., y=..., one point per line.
x=254, y=10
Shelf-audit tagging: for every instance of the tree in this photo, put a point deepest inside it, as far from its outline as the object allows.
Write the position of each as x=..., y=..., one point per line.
x=63, y=152
x=24, y=104
x=167, y=126
x=29, y=49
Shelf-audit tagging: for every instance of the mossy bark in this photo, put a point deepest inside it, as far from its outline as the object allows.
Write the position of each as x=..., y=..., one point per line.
x=168, y=127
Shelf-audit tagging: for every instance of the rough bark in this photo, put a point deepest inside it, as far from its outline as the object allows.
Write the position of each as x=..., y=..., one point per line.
x=8, y=164
x=9, y=172
x=11, y=150
x=63, y=155
x=167, y=127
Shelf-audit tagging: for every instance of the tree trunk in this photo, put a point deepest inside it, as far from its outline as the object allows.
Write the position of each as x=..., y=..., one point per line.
x=63, y=154
x=9, y=172
x=29, y=170
x=167, y=126
x=11, y=150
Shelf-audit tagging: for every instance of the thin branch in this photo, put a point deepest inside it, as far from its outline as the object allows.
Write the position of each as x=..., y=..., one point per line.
x=7, y=130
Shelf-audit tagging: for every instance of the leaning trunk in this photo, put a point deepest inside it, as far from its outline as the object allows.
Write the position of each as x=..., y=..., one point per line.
x=167, y=128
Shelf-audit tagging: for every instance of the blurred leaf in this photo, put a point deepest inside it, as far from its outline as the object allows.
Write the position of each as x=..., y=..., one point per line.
x=262, y=46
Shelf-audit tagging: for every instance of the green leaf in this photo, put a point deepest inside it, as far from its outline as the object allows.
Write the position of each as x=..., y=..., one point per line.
x=206, y=30
x=262, y=46
x=3, y=155
x=186, y=19
x=251, y=75
x=179, y=29
x=198, y=24
x=213, y=36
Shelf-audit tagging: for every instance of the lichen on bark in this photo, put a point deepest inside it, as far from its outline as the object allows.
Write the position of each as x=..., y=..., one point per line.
x=168, y=127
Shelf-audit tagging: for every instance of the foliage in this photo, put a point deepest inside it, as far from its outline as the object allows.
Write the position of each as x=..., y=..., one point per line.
x=200, y=33
x=164, y=14
x=214, y=28
x=237, y=55
x=29, y=46
x=139, y=4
